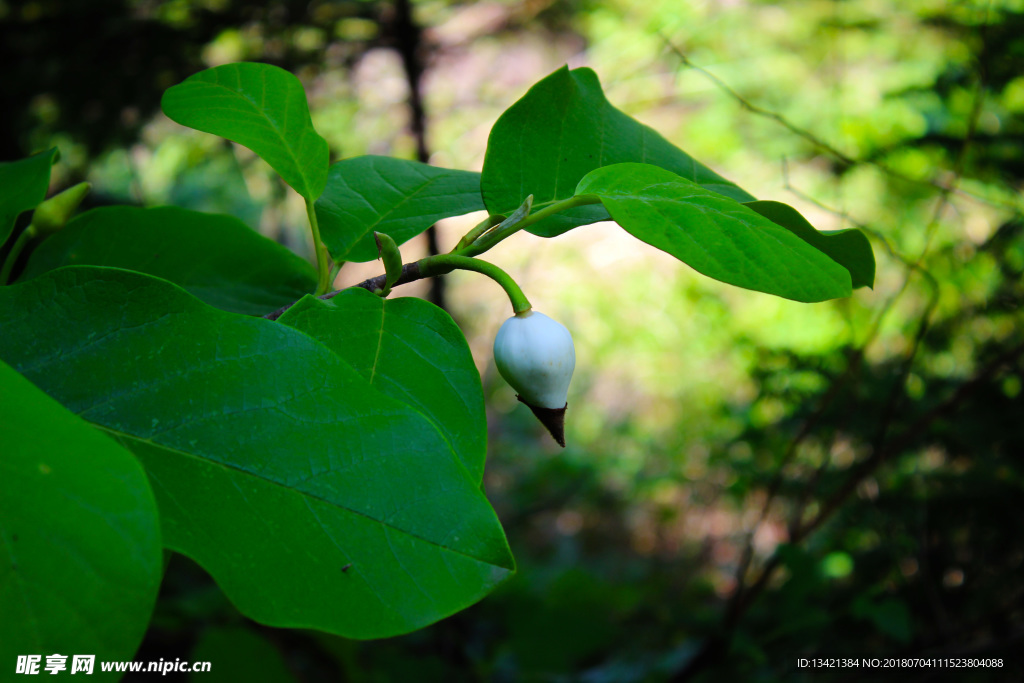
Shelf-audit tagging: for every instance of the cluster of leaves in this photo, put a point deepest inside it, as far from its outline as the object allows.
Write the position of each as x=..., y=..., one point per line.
x=324, y=467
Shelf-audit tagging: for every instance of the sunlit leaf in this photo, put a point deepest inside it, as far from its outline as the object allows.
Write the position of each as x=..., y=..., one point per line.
x=562, y=129
x=713, y=234
x=397, y=197
x=850, y=248
x=262, y=107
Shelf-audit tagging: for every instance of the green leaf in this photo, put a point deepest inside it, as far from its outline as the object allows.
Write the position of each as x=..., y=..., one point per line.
x=262, y=107
x=713, y=234
x=412, y=351
x=312, y=498
x=23, y=185
x=562, y=129
x=238, y=654
x=394, y=196
x=80, y=557
x=849, y=248
x=217, y=258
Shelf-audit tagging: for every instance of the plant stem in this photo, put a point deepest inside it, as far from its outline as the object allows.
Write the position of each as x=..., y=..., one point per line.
x=19, y=244
x=461, y=257
x=488, y=241
x=446, y=263
x=323, y=260
x=471, y=236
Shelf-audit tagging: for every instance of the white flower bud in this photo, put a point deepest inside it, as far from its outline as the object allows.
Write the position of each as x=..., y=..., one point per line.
x=536, y=357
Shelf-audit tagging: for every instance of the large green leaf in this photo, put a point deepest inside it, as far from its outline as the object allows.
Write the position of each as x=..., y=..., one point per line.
x=217, y=258
x=850, y=248
x=23, y=185
x=713, y=234
x=412, y=351
x=562, y=129
x=262, y=107
x=397, y=197
x=80, y=557
x=311, y=497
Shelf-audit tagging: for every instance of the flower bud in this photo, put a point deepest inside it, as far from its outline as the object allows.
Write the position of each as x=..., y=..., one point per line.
x=51, y=215
x=536, y=357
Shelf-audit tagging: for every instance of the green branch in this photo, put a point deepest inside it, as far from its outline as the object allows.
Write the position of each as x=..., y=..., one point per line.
x=430, y=267
x=476, y=241
x=446, y=263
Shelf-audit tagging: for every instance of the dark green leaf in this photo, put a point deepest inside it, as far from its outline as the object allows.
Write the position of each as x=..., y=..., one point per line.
x=80, y=557
x=262, y=107
x=238, y=654
x=217, y=258
x=23, y=185
x=394, y=196
x=713, y=234
x=562, y=129
x=849, y=248
x=412, y=351
x=311, y=497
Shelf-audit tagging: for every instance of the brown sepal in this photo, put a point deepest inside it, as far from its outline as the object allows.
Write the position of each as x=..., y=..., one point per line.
x=552, y=418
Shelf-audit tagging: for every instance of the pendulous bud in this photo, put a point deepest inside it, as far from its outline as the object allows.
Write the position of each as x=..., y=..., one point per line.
x=536, y=356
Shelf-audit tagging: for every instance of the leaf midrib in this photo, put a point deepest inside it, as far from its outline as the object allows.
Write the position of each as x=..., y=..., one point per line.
x=273, y=125
x=382, y=217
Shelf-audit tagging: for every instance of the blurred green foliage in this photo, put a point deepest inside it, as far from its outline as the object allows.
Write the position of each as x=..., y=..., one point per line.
x=897, y=412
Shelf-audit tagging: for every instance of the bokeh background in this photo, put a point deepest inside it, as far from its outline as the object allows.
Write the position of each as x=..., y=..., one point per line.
x=748, y=480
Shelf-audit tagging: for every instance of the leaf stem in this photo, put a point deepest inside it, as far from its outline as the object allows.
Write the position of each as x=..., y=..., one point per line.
x=323, y=259
x=461, y=258
x=491, y=239
x=446, y=263
x=19, y=244
x=471, y=236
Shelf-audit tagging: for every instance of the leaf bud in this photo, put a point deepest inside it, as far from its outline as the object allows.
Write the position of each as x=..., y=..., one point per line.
x=51, y=215
x=392, y=258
